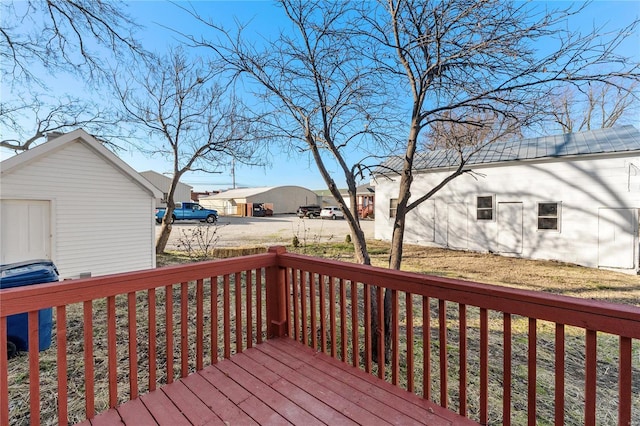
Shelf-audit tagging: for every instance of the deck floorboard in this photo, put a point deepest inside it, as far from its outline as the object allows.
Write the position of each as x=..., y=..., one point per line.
x=279, y=382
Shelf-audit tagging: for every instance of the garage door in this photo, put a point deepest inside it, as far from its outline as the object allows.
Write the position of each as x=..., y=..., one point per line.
x=616, y=237
x=25, y=230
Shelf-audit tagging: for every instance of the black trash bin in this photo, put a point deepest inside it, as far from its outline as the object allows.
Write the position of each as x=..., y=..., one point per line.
x=22, y=274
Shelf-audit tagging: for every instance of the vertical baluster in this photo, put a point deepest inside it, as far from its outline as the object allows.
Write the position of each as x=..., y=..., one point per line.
x=248, y=275
x=380, y=332
x=90, y=411
x=395, y=336
x=287, y=298
x=168, y=309
x=184, y=329
x=323, y=313
x=506, y=370
x=303, y=307
x=111, y=351
x=426, y=348
x=442, y=318
x=227, y=317
x=133, y=345
x=559, y=373
x=532, y=363
x=296, y=303
x=238, y=317
x=354, y=325
x=367, y=328
x=624, y=386
x=591, y=366
x=410, y=342
x=462, y=326
x=61, y=340
x=214, y=319
x=259, y=305
x=4, y=377
x=312, y=306
x=343, y=318
x=484, y=366
x=151, y=303
x=34, y=367
x=332, y=316
x=199, y=324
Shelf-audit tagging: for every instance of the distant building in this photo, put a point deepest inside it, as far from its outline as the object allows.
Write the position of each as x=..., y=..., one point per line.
x=365, y=199
x=163, y=183
x=280, y=199
x=572, y=198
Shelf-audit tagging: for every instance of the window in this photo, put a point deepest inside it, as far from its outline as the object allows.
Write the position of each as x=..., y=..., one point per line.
x=393, y=207
x=548, y=216
x=484, y=208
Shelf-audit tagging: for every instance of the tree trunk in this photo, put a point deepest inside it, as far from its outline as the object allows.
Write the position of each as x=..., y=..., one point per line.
x=165, y=232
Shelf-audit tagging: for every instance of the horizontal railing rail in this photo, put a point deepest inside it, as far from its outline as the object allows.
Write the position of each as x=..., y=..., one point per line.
x=494, y=354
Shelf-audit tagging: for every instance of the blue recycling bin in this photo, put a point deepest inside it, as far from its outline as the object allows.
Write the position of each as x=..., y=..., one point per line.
x=22, y=274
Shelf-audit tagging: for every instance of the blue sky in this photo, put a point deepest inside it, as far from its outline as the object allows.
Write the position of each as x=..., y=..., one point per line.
x=265, y=20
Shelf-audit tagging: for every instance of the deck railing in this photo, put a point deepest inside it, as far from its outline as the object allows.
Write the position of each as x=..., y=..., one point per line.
x=494, y=354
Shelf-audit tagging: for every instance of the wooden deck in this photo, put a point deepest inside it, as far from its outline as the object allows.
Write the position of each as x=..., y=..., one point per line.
x=279, y=382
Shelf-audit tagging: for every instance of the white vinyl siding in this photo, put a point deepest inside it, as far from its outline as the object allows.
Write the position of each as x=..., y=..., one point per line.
x=102, y=218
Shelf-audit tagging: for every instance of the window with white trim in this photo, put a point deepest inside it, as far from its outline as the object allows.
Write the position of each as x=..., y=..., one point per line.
x=549, y=216
x=393, y=207
x=484, y=207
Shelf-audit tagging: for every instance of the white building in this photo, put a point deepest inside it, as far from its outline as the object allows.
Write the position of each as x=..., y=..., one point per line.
x=572, y=198
x=74, y=202
x=281, y=199
x=163, y=183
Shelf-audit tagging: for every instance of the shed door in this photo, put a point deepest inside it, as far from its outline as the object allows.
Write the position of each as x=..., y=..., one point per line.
x=25, y=230
x=616, y=237
x=457, y=226
x=510, y=227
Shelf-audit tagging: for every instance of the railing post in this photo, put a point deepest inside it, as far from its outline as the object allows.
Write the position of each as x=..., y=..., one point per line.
x=276, y=298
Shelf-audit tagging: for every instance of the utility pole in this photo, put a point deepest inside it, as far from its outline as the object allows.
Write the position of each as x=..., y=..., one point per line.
x=233, y=172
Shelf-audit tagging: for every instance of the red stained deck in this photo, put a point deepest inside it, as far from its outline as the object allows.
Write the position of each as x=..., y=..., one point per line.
x=279, y=382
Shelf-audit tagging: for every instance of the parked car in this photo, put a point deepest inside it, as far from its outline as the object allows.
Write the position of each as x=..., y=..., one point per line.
x=309, y=211
x=188, y=211
x=331, y=212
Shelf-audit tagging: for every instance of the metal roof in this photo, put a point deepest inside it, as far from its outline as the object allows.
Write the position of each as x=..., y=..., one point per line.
x=238, y=193
x=601, y=141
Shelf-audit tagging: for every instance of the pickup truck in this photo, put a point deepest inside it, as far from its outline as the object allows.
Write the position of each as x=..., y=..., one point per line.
x=189, y=211
x=310, y=211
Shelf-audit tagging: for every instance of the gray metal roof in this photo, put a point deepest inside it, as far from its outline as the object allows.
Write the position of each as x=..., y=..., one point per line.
x=601, y=141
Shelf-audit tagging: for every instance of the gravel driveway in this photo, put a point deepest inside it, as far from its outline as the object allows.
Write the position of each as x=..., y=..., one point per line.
x=232, y=231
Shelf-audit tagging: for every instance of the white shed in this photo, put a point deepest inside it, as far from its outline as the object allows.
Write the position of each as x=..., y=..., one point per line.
x=73, y=201
x=284, y=199
x=162, y=183
x=572, y=198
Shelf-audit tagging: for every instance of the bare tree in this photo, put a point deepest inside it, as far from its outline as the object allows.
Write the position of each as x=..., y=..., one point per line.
x=49, y=116
x=599, y=107
x=63, y=34
x=319, y=97
x=493, y=58
x=54, y=37
x=184, y=104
